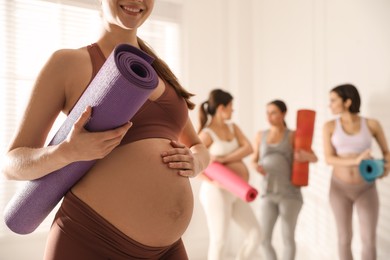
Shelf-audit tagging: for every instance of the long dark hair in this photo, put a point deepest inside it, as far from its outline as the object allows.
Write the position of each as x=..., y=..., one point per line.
x=349, y=91
x=209, y=107
x=165, y=72
x=280, y=105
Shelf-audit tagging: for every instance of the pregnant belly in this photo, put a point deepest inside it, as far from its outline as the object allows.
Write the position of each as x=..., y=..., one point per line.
x=348, y=174
x=136, y=192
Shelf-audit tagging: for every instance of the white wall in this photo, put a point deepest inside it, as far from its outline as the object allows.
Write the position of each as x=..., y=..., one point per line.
x=218, y=44
x=297, y=51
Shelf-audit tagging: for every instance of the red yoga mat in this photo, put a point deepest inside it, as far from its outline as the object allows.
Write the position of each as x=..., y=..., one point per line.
x=303, y=139
x=231, y=181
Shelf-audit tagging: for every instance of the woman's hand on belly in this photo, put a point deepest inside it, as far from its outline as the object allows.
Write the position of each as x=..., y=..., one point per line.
x=179, y=158
x=134, y=190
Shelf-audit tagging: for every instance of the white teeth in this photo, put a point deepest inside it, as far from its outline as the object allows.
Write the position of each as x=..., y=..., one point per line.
x=134, y=10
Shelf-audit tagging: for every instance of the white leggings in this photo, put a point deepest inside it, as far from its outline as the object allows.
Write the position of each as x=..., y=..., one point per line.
x=221, y=207
x=273, y=206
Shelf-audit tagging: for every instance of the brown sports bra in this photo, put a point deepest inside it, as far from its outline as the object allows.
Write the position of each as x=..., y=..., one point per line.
x=164, y=117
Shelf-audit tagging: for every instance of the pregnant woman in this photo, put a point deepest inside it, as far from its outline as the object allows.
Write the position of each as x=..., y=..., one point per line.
x=347, y=141
x=136, y=202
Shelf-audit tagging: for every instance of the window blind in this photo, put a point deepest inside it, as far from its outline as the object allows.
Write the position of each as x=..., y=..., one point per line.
x=32, y=30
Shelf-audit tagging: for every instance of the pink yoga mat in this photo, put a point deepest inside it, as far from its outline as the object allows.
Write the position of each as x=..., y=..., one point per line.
x=303, y=140
x=231, y=181
x=119, y=89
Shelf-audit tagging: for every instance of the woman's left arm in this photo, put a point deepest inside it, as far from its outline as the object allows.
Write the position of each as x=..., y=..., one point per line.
x=241, y=152
x=188, y=155
x=377, y=131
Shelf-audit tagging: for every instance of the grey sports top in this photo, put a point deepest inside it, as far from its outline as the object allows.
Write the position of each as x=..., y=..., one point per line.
x=276, y=160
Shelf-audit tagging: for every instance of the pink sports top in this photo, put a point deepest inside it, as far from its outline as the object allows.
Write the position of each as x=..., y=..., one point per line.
x=351, y=144
x=164, y=117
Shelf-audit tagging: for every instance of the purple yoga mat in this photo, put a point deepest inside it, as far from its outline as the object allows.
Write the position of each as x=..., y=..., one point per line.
x=119, y=89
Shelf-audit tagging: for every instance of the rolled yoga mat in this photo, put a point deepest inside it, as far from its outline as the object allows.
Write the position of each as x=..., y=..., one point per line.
x=231, y=181
x=119, y=89
x=303, y=139
x=371, y=169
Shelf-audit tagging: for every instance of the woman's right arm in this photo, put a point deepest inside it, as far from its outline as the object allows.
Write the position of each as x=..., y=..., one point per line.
x=244, y=149
x=331, y=157
x=256, y=154
x=26, y=158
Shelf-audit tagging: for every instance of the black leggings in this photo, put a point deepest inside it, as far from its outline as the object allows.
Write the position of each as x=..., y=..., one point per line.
x=78, y=232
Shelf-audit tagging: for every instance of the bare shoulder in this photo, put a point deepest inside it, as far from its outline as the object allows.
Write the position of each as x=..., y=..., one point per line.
x=259, y=136
x=204, y=134
x=74, y=68
x=63, y=64
x=373, y=125
x=236, y=127
x=329, y=126
x=62, y=67
x=71, y=59
x=205, y=137
x=72, y=53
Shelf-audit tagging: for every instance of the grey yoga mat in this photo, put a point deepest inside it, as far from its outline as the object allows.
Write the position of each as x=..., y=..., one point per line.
x=119, y=89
